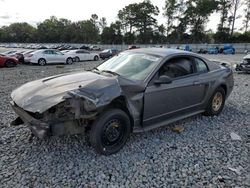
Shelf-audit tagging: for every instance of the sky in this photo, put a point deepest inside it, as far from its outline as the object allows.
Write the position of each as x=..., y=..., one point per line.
x=35, y=11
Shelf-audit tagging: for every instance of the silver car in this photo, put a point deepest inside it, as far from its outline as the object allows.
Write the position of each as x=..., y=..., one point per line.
x=82, y=55
x=48, y=56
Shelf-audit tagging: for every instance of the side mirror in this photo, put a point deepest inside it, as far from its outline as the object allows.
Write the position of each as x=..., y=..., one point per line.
x=163, y=80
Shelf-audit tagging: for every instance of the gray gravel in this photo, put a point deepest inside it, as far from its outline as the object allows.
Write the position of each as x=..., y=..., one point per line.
x=203, y=155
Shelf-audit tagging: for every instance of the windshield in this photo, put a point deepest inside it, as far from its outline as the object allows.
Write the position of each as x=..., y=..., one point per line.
x=134, y=66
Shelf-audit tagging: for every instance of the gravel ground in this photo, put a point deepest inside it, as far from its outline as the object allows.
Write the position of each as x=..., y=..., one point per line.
x=203, y=155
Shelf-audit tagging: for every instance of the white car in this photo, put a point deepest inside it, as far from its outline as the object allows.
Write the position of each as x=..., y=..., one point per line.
x=94, y=48
x=48, y=56
x=82, y=55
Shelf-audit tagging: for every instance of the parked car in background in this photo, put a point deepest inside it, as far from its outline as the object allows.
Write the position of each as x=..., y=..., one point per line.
x=202, y=51
x=244, y=66
x=213, y=50
x=185, y=47
x=228, y=49
x=108, y=53
x=26, y=54
x=67, y=47
x=20, y=56
x=82, y=55
x=131, y=47
x=9, y=52
x=6, y=61
x=135, y=91
x=83, y=47
x=94, y=48
x=48, y=56
x=64, y=51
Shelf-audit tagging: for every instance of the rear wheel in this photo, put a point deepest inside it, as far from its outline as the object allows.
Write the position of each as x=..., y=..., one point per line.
x=110, y=131
x=42, y=62
x=10, y=64
x=216, y=103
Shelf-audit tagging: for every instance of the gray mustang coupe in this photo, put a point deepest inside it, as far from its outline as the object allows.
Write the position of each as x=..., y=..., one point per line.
x=135, y=91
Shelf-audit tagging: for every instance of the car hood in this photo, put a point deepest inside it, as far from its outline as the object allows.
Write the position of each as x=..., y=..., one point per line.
x=40, y=95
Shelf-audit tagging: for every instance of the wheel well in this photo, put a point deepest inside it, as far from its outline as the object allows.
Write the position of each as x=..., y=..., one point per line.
x=9, y=60
x=40, y=59
x=120, y=102
x=224, y=87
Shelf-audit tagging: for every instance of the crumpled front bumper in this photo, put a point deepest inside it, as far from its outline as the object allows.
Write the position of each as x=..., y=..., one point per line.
x=37, y=127
x=240, y=67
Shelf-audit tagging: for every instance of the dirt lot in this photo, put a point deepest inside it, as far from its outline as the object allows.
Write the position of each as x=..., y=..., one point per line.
x=203, y=155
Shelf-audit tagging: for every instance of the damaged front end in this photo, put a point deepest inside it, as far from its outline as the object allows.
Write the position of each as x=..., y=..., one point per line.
x=62, y=109
x=244, y=66
x=68, y=117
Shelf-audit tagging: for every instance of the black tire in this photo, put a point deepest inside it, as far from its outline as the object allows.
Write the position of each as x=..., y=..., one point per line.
x=10, y=63
x=96, y=58
x=110, y=131
x=211, y=110
x=69, y=61
x=77, y=59
x=42, y=62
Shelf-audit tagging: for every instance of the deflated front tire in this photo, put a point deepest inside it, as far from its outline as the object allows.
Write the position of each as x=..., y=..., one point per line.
x=110, y=131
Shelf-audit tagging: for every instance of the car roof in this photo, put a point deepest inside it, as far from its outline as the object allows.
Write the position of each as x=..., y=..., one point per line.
x=164, y=52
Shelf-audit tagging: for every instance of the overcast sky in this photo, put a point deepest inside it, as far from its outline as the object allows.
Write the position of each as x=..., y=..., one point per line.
x=35, y=11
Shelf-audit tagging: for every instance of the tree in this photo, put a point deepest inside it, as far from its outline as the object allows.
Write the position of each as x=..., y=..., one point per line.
x=170, y=10
x=197, y=14
x=141, y=17
x=103, y=23
x=112, y=34
x=235, y=5
x=145, y=21
x=247, y=16
x=223, y=7
x=127, y=17
x=17, y=32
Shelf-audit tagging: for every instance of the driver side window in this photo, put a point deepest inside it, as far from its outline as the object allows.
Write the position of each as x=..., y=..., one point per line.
x=177, y=67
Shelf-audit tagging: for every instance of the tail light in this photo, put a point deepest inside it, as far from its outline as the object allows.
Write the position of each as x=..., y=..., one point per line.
x=30, y=55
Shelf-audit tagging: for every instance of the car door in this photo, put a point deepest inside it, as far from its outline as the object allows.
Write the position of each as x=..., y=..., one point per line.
x=82, y=55
x=182, y=96
x=58, y=56
x=89, y=56
x=48, y=56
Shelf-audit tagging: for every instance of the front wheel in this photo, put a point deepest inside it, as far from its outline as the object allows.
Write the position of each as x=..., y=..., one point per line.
x=96, y=58
x=42, y=62
x=110, y=131
x=10, y=64
x=77, y=59
x=216, y=103
x=69, y=61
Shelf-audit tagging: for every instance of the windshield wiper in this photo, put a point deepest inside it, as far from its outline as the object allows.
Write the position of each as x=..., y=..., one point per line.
x=111, y=72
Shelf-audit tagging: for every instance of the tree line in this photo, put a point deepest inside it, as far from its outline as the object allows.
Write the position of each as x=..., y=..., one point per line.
x=185, y=22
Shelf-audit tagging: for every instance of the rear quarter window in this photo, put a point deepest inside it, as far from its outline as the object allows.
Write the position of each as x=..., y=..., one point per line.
x=201, y=66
